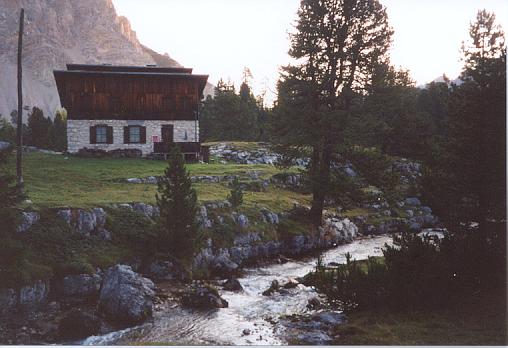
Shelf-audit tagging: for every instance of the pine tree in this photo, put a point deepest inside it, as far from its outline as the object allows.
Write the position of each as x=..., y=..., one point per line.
x=236, y=195
x=177, y=202
x=338, y=44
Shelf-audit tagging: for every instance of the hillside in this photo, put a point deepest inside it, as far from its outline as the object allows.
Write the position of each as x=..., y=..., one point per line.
x=61, y=32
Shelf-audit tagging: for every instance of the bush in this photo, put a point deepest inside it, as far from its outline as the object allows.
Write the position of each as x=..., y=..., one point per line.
x=417, y=273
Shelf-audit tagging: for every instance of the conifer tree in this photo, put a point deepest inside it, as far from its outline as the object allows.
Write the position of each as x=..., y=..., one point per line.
x=177, y=201
x=337, y=45
x=236, y=195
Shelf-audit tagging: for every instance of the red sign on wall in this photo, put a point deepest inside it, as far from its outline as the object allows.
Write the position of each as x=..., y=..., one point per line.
x=155, y=138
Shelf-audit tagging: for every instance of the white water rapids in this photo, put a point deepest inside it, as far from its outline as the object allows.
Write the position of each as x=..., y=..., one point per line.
x=248, y=309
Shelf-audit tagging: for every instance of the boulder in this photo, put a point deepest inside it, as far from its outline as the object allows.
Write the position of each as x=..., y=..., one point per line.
x=202, y=217
x=81, y=285
x=274, y=287
x=269, y=217
x=167, y=270
x=135, y=181
x=4, y=145
x=412, y=201
x=125, y=296
x=292, y=283
x=27, y=220
x=313, y=303
x=85, y=222
x=8, y=299
x=102, y=233
x=242, y=220
x=232, y=284
x=203, y=297
x=223, y=266
x=145, y=209
x=34, y=295
x=78, y=324
x=100, y=216
x=65, y=215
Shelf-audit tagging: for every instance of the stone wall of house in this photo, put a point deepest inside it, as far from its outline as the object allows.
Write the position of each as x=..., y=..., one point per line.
x=78, y=133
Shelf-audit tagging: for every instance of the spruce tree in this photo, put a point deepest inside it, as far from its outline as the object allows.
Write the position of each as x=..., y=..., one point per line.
x=236, y=195
x=177, y=201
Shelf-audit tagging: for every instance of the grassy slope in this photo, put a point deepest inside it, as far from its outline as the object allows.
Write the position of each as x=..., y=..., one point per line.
x=479, y=320
x=53, y=181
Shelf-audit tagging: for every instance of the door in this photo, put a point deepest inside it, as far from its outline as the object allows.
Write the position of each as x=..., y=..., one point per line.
x=167, y=133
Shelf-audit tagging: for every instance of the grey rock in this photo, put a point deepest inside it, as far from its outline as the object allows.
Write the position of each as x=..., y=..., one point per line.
x=4, y=145
x=135, y=181
x=8, y=300
x=329, y=318
x=202, y=217
x=203, y=297
x=28, y=219
x=314, y=338
x=223, y=266
x=86, y=222
x=81, y=285
x=313, y=303
x=426, y=210
x=246, y=332
x=274, y=287
x=410, y=213
x=125, y=296
x=65, y=215
x=145, y=209
x=415, y=226
x=232, y=284
x=412, y=201
x=167, y=270
x=102, y=233
x=269, y=217
x=247, y=238
x=100, y=216
x=292, y=283
x=125, y=206
x=35, y=294
x=242, y=220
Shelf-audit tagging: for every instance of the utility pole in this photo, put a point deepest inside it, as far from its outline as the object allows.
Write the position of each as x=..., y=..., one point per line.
x=19, y=153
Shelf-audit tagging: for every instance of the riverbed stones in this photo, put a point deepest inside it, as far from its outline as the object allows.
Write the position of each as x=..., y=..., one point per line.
x=125, y=296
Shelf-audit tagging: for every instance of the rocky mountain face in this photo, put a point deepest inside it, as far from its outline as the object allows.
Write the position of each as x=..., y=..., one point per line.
x=58, y=32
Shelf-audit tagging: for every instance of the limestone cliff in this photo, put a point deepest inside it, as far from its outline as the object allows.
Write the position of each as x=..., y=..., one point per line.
x=58, y=32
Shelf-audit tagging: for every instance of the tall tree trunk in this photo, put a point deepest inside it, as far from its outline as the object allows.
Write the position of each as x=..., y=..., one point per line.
x=19, y=153
x=320, y=180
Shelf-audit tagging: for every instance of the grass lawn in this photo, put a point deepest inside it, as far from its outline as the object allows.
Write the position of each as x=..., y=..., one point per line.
x=478, y=320
x=54, y=181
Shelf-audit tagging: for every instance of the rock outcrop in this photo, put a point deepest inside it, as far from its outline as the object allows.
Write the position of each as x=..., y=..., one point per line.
x=126, y=297
x=61, y=32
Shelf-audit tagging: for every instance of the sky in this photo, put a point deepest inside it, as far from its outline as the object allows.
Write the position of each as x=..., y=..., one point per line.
x=221, y=37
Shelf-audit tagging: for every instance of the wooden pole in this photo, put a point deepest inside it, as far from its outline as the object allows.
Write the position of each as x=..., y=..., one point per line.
x=19, y=154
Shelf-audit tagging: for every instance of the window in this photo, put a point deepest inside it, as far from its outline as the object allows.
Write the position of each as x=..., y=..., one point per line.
x=101, y=134
x=134, y=134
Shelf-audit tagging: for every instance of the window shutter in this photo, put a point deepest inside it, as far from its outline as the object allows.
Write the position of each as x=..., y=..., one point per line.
x=93, y=135
x=109, y=135
x=142, y=135
x=126, y=135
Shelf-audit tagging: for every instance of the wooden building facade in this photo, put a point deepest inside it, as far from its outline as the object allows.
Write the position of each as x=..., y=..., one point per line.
x=131, y=107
